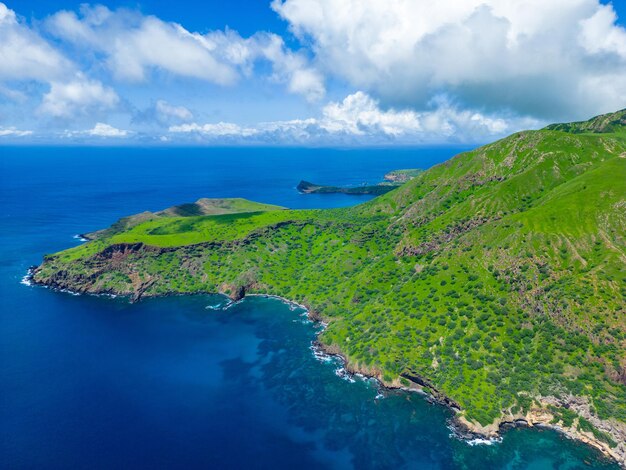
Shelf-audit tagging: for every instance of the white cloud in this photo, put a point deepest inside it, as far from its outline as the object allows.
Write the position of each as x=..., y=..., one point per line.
x=359, y=119
x=359, y=114
x=599, y=34
x=450, y=70
x=167, y=111
x=99, y=130
x=76, y=97
x=169, y=47
x=221, y=129
x=105, y=130
x=534, y=57
x=24, y=55
x=13, y=132
x=134, y=45
x=288, y=67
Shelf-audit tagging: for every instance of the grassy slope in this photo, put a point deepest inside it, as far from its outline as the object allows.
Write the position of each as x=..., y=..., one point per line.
x=498, y=276
x=201, y=207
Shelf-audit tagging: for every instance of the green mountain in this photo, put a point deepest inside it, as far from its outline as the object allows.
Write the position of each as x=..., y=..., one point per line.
x=495, y=281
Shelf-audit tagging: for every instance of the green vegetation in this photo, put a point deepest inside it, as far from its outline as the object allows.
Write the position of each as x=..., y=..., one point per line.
x=201, y=207
x=498, y=276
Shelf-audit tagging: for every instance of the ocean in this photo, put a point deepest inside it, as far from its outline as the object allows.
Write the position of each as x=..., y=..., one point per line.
x=189, y=382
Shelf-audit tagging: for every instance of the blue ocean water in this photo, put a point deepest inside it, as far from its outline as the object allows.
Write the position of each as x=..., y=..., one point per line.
x=90, y=382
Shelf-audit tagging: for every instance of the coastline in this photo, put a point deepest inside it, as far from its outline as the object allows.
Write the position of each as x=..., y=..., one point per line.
x=469, y=432
x=473, y=433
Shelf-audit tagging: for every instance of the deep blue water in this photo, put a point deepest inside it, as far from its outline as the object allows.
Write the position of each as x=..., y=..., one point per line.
x=88, y=382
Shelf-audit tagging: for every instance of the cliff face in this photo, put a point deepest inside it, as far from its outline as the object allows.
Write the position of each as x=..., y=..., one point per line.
x=113, y=259
x=494, y=278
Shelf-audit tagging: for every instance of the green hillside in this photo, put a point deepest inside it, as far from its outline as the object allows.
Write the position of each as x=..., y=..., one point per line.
x=202, y=206
x=496, y=279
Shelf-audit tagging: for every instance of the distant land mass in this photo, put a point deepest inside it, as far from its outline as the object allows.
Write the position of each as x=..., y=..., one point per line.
x=391, y=181
x=494, y=282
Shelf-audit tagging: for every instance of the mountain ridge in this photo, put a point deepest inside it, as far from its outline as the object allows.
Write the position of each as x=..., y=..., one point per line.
x=603, y=123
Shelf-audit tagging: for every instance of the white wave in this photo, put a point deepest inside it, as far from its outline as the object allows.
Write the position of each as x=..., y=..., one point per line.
x=26, y=280
x=230, y=304
x=79, y=238
x=475, y=441
x=215, y=307
x=292, y=305
x=483, y=442
x=320, y=355
x=342, y=373
x=67, y=291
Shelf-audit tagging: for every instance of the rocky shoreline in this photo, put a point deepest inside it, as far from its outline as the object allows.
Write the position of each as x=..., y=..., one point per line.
x=470, y=431
x=462, y=428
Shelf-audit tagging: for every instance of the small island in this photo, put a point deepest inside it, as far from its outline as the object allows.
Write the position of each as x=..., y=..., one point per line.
x=493, y=282
x=392, y=180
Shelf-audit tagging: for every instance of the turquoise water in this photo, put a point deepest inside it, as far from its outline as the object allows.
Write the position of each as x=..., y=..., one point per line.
x=91, y=382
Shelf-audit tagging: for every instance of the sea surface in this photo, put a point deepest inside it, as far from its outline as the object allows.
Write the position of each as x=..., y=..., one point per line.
x=191, y=382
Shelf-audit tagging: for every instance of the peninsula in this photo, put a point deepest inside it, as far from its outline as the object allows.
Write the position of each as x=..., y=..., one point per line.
x=496, y=281
x=391, y=181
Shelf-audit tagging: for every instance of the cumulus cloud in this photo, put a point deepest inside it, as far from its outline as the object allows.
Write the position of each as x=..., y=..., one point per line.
x=461, y=71
x=221, y=129
x=600, y=36
x=288, y=67
x=99, y=130
x=24, y=55
x=105, y=130
x=550, y=59
x=76, y=97
x=359, y=118
x=13, y=132
x=134, y=45
x=359, y=114
x=125, y=45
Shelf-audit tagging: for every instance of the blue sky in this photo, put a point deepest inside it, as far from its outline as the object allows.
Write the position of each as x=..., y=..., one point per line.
x=245, y=16
x=304, y=72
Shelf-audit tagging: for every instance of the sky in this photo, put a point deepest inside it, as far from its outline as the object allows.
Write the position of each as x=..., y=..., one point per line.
x=304, y=72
